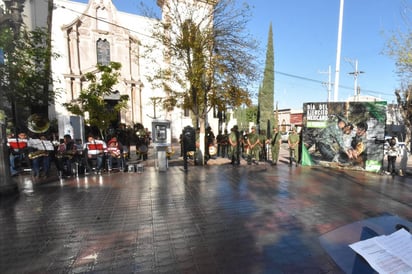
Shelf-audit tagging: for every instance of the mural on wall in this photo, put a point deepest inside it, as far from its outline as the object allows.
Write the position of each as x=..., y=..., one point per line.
x=344, y=134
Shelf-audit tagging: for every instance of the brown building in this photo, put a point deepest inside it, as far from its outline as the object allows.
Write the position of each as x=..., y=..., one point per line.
x=289, y=118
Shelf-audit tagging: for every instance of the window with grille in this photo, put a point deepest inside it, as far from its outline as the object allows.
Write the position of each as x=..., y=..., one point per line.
x=103, y=52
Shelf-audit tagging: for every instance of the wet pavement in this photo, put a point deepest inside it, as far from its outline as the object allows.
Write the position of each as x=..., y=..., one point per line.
x=212, y=219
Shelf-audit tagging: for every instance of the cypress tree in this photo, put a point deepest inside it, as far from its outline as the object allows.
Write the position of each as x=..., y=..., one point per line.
x=267, y=90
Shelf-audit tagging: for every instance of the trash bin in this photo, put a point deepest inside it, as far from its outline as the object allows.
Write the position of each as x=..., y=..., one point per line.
x=189, y=139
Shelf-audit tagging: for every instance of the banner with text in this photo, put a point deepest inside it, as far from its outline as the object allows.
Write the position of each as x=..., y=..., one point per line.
x=344, y=134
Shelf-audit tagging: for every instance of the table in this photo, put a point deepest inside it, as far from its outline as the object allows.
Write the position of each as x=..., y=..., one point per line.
x=336, y=242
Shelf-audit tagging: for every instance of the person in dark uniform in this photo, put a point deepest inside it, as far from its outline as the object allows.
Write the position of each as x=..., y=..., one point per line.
x=253, y=142
x=225, y=144
x=244, y=148
x=66, y=156
x=293, y=142
x=219, y=140
x=234, y=145
x=210, y=141
x=122, y=136
x=275, y=142
x=263, y=150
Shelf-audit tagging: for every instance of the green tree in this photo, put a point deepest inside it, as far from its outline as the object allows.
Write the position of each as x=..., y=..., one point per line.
x=267, y=91
x=25, y=78
x=210, y=57
x=92, y=100
x=245, y=115
x=404, y=100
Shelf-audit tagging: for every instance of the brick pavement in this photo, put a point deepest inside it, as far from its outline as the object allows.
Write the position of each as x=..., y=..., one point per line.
x=212, y=219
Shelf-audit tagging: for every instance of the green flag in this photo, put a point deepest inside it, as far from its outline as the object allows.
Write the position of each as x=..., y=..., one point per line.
x=306, y=158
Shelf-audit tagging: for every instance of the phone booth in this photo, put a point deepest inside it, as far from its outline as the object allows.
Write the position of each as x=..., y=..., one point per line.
x=161, y=137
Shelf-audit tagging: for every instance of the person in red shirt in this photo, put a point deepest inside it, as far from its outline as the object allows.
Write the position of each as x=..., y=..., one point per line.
x=95, y=149
x=17, y=151
x=114, y=152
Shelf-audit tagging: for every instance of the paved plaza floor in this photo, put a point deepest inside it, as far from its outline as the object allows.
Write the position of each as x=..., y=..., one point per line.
x=209, y=219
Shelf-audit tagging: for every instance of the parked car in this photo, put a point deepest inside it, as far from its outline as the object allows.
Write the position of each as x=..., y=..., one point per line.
x=284, y=136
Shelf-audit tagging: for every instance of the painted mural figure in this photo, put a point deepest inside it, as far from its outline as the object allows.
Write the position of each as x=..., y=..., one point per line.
x=355, y=155
x=358, y=151
x=330, y=140
x=347, y=136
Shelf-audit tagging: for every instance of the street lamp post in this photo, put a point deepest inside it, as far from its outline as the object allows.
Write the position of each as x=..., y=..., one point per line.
x=338, y=52
x=155, y=101
x=140, y=88
x=132, y=92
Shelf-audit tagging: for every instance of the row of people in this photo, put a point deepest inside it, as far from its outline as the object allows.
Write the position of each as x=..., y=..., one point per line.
x=255, y=147
x=252, y=146
x=37, y=153
x=33, y=153
x=94, y=150
x=220, y=145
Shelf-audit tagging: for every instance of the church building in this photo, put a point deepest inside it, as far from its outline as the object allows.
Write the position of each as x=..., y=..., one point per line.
x=86, y=34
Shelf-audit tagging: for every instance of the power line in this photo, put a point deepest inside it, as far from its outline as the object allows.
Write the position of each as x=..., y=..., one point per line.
x=322, y=82
x=277, y=72
x=298, y=77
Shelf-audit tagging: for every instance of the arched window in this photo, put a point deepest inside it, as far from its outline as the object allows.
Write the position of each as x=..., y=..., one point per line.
x=103, y=52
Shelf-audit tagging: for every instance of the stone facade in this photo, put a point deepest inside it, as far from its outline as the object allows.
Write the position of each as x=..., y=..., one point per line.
x=87, y=34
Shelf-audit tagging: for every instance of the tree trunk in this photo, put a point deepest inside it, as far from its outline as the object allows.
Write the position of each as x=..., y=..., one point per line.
x=202, y=147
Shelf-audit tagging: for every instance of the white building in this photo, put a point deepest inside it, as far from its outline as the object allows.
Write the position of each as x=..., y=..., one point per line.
x=87, y=34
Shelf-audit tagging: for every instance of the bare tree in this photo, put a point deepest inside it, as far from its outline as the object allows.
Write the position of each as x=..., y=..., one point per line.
x=209, y=55
x=399, y=47
x=25, y=77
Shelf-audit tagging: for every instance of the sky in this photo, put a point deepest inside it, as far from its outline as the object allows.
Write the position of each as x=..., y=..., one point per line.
x=305, y=38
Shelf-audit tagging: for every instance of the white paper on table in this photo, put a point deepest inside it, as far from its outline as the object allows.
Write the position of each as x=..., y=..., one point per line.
x=399, y=244
x=387, y=254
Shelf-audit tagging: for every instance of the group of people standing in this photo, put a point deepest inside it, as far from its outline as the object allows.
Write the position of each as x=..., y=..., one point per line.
x=251, y=146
